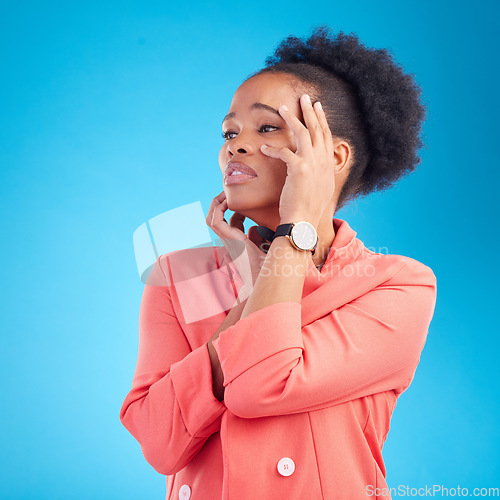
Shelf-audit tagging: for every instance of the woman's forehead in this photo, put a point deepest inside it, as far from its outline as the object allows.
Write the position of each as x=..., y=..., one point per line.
x=270, y=81
x=268, y=88
x=267, y=92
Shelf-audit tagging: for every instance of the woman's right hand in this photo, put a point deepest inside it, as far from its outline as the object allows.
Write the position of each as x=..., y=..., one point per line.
x=246, y=251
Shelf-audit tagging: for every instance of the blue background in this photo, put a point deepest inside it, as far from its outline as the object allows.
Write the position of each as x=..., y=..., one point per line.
x=110, y=114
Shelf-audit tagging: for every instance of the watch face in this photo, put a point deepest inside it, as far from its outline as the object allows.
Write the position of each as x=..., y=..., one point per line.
x=304, y=235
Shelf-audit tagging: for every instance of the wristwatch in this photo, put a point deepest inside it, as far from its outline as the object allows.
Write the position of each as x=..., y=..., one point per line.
x=302, y=235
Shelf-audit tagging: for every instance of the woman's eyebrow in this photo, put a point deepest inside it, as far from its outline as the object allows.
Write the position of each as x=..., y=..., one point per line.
x=255, y=105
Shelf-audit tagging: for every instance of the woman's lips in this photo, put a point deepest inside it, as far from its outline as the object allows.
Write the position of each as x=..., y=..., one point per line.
x=237, y=172
x=238, y=178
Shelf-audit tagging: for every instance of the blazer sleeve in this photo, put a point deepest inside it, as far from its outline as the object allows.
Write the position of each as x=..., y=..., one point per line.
x=273, y=366
x=171, y=409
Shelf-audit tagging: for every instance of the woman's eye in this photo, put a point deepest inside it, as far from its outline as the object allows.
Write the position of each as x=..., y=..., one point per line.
x=226, y=135
x=266, y=126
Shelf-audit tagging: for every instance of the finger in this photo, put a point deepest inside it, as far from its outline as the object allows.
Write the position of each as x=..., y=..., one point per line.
x=218, y=214
x=302, y=137
x=327, y=133
x=312, y=123
x=294, y=163
x=227, y=232
x=283, y=153
x=215, y=202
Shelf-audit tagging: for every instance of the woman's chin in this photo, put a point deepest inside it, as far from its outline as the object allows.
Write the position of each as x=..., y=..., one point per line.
x=246, y=209
x=241, y=208
x=248, y=204
x=241, y=200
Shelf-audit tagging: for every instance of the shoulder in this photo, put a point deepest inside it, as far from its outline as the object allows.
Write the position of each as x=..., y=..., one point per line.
x=398, y=269
x=189, y=263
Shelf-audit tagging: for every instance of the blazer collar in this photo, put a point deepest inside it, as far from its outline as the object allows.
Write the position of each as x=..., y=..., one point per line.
x=344, y=244
x=344, y=249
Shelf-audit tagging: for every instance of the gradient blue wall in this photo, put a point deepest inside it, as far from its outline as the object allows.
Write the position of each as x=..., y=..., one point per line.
x=110, y=114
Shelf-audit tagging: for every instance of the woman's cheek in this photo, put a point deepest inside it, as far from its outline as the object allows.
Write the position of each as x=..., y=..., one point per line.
x=222, y=155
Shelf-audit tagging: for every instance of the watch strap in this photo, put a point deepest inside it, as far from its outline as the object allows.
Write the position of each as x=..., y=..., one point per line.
x=266, y=233
x=283, y=230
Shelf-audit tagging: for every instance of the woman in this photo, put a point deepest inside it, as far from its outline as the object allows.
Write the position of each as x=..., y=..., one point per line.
x=289, y=392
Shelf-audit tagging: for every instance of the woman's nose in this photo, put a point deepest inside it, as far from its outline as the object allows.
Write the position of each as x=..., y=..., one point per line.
x=241, y=145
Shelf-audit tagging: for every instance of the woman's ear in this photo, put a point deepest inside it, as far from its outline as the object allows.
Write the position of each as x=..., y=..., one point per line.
x=341, y=155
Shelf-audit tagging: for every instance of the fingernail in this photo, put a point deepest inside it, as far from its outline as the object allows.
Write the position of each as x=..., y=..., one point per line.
x=319, y=105
x=284, y=108
x=307, y=98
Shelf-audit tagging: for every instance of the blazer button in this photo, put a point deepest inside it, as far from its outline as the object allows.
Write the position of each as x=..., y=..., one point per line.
x=286, y=466
x=184, y=492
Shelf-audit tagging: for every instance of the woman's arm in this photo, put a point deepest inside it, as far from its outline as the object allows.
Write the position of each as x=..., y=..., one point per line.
x=217, y=375
x=281, y=278
x=171, y=409
x=273, y=365
x=271, y=286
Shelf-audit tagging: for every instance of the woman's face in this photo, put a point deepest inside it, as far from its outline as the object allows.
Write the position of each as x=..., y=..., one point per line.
x=253, y=120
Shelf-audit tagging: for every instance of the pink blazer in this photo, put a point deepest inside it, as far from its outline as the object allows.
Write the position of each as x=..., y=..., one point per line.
x=309, y=388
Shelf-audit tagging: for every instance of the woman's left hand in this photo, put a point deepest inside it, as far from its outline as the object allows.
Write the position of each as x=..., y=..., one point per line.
x=310, y=181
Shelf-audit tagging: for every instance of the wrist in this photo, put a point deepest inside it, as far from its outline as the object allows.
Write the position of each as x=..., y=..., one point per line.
x=298, y=218
x=282, y=252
